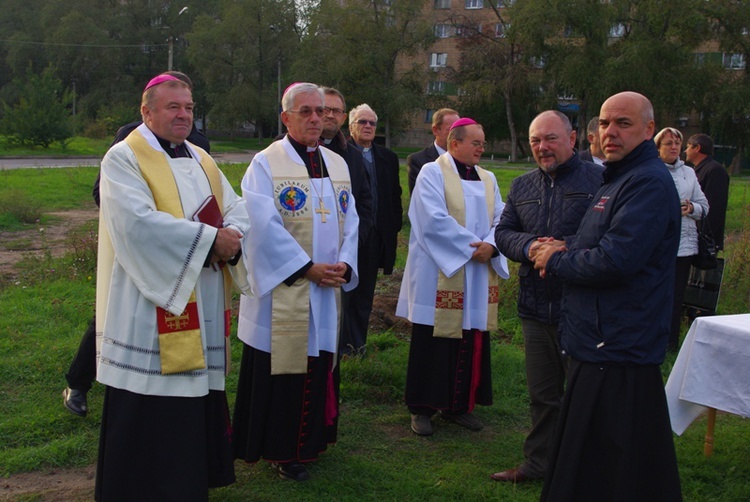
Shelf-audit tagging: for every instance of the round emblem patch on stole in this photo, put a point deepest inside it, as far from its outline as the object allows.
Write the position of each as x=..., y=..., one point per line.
x=292, y=198
x=344, y=200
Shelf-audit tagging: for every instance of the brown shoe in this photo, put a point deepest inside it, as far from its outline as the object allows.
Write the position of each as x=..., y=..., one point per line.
x=466, y=420
x=515, y=475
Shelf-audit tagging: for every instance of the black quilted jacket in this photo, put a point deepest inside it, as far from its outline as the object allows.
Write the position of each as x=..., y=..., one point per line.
x=540, y=206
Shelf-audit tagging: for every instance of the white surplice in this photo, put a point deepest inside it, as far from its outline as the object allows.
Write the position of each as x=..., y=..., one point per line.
x=159, y=262
x=273, y=255
x=438, y=242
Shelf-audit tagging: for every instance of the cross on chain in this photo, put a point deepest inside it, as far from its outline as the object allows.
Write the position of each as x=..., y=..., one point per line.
x=322, y=211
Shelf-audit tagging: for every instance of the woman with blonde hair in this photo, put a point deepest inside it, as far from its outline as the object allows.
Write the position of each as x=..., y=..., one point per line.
x=694, y=206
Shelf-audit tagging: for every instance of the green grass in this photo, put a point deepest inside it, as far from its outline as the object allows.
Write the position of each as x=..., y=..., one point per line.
x=46, y=311
x=76, y=147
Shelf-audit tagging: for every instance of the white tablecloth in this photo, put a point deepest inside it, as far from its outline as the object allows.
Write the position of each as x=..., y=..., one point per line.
x=712, y=370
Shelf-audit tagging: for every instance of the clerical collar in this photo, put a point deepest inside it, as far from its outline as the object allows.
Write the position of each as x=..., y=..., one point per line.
x=174, y=150
x=465, y=171
x=301, y=149
x=327, y=141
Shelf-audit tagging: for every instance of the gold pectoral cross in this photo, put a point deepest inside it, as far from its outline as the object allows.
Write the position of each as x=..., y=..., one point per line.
x=322, y=211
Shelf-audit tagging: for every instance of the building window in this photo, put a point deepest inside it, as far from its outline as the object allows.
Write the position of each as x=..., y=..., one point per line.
x=473, y=4
x=734, y=61
x=438, y=59
x=500, y=30
x=443, y=30
x=442, y=4
x=466, y=31
x=428, y=116
x=436, y=87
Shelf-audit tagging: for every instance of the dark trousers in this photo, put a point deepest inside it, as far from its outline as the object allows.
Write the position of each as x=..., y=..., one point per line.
x=82, y=371
x=681, y=276
x=545, y=379
x=357, y=304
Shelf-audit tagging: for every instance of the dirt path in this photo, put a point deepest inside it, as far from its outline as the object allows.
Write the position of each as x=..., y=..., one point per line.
x=50, y=485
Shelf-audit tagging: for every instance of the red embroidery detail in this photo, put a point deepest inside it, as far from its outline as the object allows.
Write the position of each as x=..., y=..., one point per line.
x=494, y=294
x=169, y=323
x=449, y=300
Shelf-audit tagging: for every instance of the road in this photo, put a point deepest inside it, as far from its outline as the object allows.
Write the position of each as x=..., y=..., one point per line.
x=31, y=162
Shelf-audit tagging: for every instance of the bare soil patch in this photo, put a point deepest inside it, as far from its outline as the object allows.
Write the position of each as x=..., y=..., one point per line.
x=50, y=485
x=39, y=239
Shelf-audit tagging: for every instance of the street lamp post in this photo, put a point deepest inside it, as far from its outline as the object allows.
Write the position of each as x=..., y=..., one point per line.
x=171, y=42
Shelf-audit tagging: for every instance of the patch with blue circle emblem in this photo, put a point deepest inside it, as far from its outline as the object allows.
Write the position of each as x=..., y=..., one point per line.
x=344, y=200
x=292, y=198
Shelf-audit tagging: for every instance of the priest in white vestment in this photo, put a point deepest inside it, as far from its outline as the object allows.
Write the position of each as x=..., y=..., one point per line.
x=301, y=253
x=162, y=307
x=450, y=286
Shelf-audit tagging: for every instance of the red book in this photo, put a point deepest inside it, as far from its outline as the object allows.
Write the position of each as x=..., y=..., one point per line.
x=209, y=213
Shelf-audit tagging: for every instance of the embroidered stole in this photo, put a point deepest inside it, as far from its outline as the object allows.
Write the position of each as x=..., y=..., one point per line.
x=290, y=317
x=449, y=300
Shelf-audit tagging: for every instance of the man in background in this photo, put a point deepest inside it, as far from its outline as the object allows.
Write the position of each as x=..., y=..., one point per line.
x=442, y=120
x=594, y=153
x=378, y=247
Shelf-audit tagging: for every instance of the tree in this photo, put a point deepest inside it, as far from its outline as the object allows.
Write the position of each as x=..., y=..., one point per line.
x=40, y=116
x=726, y=105
x=237, y=53
x=493, y=66
x=356, y=45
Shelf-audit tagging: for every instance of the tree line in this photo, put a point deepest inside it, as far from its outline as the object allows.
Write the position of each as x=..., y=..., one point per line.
x=688, y=56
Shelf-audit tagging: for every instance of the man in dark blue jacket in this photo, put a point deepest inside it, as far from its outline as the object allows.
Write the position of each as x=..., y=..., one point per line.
x=547, y=202
x=614, y=440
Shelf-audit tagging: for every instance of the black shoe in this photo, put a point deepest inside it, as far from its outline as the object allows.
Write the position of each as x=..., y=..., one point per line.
x=75, y=401
x=294, y=470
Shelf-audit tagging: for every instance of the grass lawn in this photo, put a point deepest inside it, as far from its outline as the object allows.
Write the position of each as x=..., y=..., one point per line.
x=47, y=308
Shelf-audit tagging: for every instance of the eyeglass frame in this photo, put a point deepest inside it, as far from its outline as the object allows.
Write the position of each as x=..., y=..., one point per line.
x=306, y=112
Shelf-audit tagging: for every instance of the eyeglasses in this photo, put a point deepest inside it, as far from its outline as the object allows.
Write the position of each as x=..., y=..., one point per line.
x=362, y=122
x=479, y=144
x=335, y=111
x=306, y=112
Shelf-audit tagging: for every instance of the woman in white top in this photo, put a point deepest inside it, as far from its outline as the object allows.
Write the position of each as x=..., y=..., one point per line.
x=694, y=206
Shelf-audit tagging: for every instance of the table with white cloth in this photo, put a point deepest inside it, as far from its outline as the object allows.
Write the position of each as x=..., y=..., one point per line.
x=712, y=372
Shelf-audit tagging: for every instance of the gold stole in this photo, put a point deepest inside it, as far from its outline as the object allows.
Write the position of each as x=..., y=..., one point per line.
x=449, y=300
x=290, y=317
x=180, y=343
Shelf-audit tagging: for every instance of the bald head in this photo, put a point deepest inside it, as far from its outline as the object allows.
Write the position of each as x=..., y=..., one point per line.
x=626, y=120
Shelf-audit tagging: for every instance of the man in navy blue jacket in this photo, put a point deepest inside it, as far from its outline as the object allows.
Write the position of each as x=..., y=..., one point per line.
x=614, y=440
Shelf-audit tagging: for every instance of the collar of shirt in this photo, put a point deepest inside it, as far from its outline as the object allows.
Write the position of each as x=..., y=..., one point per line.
x=173, y=150
x=466, y=172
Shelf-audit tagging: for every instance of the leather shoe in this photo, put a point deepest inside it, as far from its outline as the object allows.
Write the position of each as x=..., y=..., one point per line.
x=75, y=401
x=515, y=475
x=421, y=425
x=296, y=471
x=464, y=420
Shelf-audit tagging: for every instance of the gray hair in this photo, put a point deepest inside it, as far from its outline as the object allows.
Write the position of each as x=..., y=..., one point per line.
x=294, y=90
x=593, y=127
x=667, y=130
x=363, y=107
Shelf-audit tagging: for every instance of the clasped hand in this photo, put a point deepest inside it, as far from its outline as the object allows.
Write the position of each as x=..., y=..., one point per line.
x=227, y=244
x=327, y=274
x=542, y=249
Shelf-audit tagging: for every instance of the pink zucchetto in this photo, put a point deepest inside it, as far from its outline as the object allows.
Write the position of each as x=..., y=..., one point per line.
x=463, y=122
x=159, y=79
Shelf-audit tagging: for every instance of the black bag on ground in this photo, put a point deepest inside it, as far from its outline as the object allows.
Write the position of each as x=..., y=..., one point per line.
x=706, y=258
